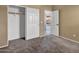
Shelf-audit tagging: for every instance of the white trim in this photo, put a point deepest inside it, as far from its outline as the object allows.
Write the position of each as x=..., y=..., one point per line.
x=63, y=38
x=7, y=28
x=17, y=6
x=3, y=46
x=69, y=39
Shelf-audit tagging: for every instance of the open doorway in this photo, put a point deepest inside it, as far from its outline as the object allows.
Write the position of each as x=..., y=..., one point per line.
x=16, y=22
x=51, y=22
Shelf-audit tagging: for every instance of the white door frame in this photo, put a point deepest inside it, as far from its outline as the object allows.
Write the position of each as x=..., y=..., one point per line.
x=52, y=18
x=56, y=13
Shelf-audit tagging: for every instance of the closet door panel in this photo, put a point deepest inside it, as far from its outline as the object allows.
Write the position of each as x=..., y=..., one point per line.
x=32, y=26
x=13, y=26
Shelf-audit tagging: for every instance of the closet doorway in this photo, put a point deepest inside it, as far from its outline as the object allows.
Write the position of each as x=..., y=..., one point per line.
x=16, y=22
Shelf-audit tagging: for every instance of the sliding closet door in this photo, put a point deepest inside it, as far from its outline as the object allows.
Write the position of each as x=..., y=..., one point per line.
x=13, y=23
x=32, y=26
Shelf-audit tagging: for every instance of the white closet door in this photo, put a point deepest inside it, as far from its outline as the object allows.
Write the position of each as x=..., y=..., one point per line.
x=32, y=26
x=13, y=25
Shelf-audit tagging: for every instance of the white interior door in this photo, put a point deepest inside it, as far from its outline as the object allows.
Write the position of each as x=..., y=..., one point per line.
x=32, y=26
x=13, y=24
x=55, y=23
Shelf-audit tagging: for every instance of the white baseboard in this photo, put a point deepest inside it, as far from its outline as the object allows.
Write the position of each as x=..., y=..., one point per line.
x=3, y=46
x=68, y=39
x=63, y=38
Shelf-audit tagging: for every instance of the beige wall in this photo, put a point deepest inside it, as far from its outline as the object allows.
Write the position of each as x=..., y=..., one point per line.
x=42, y=8
x=69, y=21
x=3, y=26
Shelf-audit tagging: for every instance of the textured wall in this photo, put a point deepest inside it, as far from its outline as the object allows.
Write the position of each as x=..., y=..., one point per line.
x=69, y=21
x=3, y=26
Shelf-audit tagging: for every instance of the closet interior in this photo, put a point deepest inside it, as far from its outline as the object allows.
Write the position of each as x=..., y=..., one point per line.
x=16, y=22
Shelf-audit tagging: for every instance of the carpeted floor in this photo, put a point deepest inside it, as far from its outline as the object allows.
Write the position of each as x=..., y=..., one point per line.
x=47, y=44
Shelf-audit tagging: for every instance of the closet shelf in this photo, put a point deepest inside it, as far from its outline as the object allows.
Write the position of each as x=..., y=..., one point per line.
x=20, y=13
